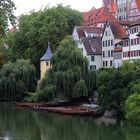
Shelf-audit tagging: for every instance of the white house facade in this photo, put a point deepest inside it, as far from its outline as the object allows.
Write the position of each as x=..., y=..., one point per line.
x=91, y=49
x=131, y=45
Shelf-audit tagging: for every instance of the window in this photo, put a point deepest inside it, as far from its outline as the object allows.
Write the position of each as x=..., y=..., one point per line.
x=105, y=33
x=112, y=42
x=111, y=53
x=92, y=58
x=106, y=63
x=108, y=42
x=103, y=44
x=103, y=63
x=92, y=67
x=132, y=42
x=103, y=54
x=108, y=53
x=47, y=63
x=111, y=64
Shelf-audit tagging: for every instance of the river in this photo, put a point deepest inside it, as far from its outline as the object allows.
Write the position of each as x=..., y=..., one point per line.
x=24, y=124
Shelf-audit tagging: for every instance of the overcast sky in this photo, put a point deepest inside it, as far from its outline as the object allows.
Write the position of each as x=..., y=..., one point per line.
x=24, y=6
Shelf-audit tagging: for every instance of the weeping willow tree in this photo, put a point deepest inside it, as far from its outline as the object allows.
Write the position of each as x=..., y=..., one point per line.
x=16, y=79
x=69, y=76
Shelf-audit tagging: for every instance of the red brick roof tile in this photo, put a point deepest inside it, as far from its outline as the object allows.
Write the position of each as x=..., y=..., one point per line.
x=94, y=17
x=119, y=32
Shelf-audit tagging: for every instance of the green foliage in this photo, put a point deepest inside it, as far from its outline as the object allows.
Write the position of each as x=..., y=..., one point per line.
x=69, y=75
x=132, y=108
x=115, y=85
x=80, y=89
x=30, y=97
x=36, y=29
x=7, y=8
x=16, y=79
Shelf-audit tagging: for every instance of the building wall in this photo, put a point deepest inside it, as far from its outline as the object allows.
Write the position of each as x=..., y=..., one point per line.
x=97, y=63
x=122, y=9
x=132, y=51
x=75, y=35
x=44, y=67
x=106, y=48
x=134, y=12
x=117, y=59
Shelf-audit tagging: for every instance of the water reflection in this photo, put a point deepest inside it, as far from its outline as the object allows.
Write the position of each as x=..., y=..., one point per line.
x=29, y=125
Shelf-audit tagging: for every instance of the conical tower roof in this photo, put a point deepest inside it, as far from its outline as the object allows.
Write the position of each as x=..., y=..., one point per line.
x=48, y=55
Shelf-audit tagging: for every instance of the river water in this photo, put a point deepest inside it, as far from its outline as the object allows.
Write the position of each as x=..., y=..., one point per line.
x=23, y=124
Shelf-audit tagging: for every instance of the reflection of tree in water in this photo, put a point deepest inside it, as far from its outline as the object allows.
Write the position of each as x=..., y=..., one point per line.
x=19, y=123
x=43, y=126
x=131, y=132
x=57, y=127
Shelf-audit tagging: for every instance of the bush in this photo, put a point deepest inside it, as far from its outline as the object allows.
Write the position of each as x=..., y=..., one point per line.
x=132, y=108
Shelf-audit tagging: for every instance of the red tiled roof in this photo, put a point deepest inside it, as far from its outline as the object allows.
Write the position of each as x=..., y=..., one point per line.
x=93, y=45
x=125, y=23
x=119, y=32
x=101, y=15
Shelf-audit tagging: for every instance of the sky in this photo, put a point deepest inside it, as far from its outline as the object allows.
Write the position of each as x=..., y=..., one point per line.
x=24, y=6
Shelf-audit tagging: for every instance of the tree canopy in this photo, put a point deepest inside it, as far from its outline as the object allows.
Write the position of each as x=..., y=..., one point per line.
x=16, y=79
x=7, y=8
x=132, y=107
x=37, y=28
x=116, y=85
x=69, y=76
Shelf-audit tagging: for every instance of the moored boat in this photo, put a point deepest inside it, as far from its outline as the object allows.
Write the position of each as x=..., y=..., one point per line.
x=83, y=110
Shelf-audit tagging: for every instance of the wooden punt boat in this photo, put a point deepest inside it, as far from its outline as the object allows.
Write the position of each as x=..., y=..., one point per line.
x=71, y=110
x=74, y=111
x=30, y=105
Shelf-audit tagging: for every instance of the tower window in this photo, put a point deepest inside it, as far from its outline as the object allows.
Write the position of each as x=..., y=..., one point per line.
x=47, y=63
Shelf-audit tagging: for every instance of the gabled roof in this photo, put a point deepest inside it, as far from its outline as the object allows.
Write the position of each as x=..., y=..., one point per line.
x=93, y=45
x=48, y=55
x=118, y=31
x=97, y=30
x=88, y=29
